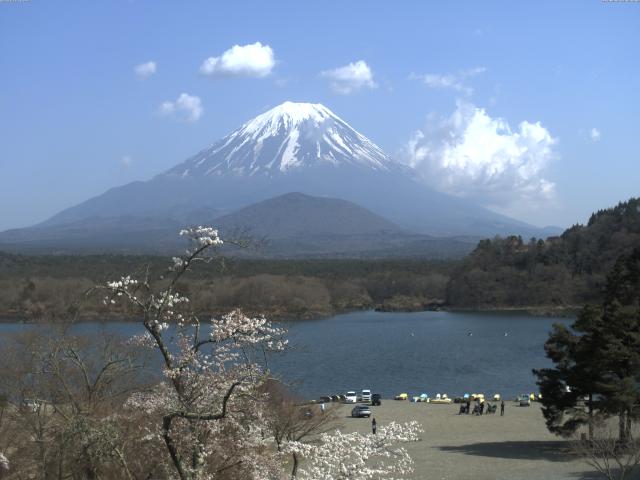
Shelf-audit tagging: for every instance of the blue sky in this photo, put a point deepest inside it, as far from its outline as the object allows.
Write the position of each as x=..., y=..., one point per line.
x=531, y=109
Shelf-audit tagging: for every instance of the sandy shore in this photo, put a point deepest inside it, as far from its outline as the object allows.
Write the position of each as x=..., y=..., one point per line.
x=459, y=447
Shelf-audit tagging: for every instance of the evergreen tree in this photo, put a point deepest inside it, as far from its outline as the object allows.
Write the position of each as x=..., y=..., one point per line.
x=619, y=386
x=575, y=376
x=597, y=359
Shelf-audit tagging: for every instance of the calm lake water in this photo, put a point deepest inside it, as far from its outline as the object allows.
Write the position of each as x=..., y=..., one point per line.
x=389, y=353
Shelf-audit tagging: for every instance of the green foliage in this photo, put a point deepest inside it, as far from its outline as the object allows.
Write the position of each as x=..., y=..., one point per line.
x=598, y=358
x=560, y=271
x=574, y=377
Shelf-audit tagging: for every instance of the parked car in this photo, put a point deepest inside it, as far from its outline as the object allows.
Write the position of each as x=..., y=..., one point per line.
x=30, y=405
x=524, y=400
x=360, y=411
x=376, y=399
x=351, y=397
x=325, y=399
x=366, y=395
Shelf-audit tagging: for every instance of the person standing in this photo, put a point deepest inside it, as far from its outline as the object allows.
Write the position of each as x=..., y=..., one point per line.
x=502, y=408
x=374, y=425
x=322, y=407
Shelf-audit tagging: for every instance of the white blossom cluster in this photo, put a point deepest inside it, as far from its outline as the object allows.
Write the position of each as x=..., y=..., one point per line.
x=202, y=236
x=155, y=401
x=144, y=340
x=178, y=263
x=244, y=330
x=123, y=283
x=161, y=309
x=125, y=286
x=353, y=456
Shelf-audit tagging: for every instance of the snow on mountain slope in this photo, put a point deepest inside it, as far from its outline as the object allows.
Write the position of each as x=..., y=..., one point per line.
x=284, y=139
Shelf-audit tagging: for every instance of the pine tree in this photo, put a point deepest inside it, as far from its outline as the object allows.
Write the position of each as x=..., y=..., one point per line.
x=619, y=386
x=597, y=359
x=575, y=376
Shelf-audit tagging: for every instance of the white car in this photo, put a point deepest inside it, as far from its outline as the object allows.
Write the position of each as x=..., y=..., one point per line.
x=524, y=400
x=366, y=396
x=351, y=397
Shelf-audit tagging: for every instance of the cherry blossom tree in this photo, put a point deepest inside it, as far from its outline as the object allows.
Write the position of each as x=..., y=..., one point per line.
x=354, y=456
x=209, y=407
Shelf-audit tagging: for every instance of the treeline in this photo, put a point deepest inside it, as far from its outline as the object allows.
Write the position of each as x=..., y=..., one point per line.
x=558, y=272
x=568, y=270
x=45, y=287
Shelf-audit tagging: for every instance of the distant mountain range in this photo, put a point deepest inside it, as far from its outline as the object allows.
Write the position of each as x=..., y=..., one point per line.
x=350, y=193
x=299, y=225
x=291, y=225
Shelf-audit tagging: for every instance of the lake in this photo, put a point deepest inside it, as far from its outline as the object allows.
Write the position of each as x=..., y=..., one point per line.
x=432, y=352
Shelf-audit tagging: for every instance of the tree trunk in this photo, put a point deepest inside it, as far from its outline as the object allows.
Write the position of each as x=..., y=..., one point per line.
x=590, y=418
x=622, y=428
x=294, y=470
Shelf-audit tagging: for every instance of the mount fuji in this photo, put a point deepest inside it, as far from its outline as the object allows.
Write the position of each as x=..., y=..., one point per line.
x=287, y=138
x=294, y=147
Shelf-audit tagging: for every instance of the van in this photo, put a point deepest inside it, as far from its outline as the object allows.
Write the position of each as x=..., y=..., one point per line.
x=366, y=396
x=351, y=397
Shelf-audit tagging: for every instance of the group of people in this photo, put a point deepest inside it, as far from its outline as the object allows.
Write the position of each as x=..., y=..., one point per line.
x=479, y=407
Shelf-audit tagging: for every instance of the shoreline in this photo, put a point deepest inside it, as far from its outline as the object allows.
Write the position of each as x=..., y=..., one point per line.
x=534, y=311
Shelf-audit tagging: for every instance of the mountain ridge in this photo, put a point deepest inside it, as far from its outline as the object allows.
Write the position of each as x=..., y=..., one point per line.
x=296, y=214
x=293, y=225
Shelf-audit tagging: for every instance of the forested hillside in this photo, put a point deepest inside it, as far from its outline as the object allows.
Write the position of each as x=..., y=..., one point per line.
x=559, y=271
x=42, y=288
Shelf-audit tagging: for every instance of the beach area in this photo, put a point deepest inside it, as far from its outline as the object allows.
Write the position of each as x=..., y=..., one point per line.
x=517, y=446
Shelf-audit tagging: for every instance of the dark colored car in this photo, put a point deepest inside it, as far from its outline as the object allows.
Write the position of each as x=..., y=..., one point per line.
x=375, y=399
x=360, y=411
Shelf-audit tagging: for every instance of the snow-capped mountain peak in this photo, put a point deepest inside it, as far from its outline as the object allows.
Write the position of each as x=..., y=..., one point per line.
x=291, y=113
x=287, y=138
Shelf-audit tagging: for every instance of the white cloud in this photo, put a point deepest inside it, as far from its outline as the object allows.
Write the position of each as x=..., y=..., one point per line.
x=126, y=161
x=186, y=107
x=471, y=154
x=595, y=134
x=145, y=70
x=352, y=77
x=454, y=81
x=254, y=60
